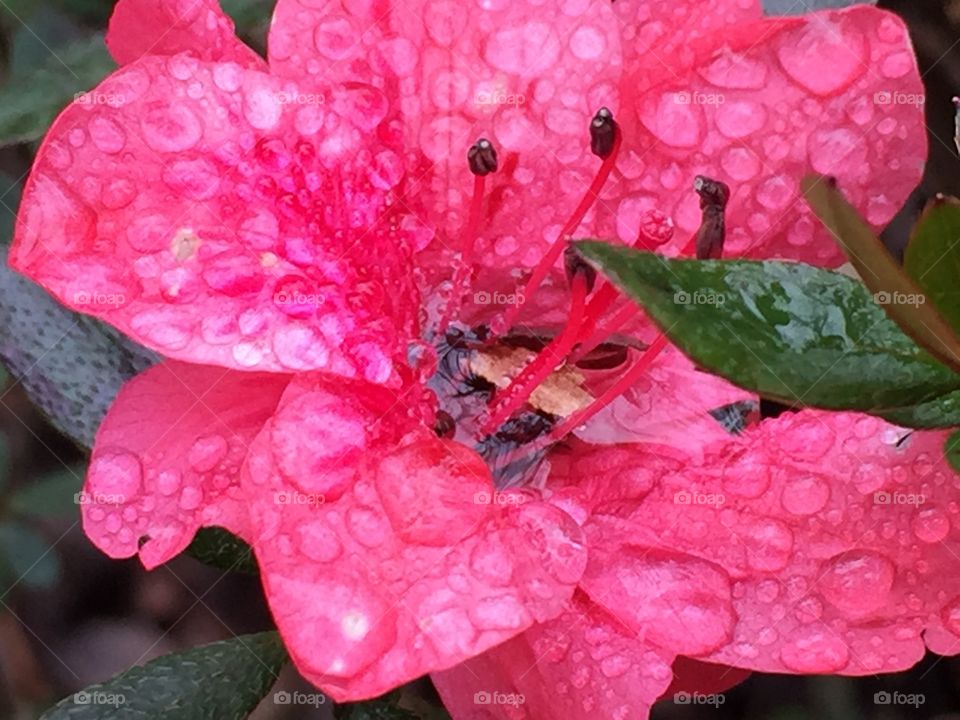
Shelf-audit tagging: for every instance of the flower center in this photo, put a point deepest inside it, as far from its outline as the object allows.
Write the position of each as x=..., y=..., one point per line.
x=512, y=395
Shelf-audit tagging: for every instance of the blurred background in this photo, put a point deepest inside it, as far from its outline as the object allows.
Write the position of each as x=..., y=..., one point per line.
x=69, y=617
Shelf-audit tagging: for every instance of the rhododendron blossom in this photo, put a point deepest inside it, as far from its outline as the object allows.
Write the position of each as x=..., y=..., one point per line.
x=453, y=449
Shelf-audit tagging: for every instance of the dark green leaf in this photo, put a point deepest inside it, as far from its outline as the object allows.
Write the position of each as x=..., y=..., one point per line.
x=219, y=548
x=894, y=290
x=71, y=366
x=384, y=708
x=790, y=332
x=222, y=681
x=932, y=258
x=795, y=7
x=247, y=14
x=26, y=558
x=952, y=450
x=941, y=412
x=28, y=106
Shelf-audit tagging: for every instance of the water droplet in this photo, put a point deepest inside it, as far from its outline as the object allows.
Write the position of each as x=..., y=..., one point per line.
x=931, y=525
x=527, y=50
x=814, y=651
x=171, y=128
x=116, y=476
x=740, y=119
x=858, y=582
x=839, y=46
x=805, y=495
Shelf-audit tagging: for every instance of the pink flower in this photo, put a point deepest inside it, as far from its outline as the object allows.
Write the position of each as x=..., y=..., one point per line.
x=286, y=233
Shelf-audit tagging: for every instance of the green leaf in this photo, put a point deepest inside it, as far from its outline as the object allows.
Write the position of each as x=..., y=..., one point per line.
x=71, y=366
x=932, y=258
x=28, y=106
x=951, y=450
x=222, y=681
x=900, y=297
x=941, y=412
x=790, y=332
x=26, y=558
x=219, y=548
x=248, y=14
x=383, y=708
x=53, y=495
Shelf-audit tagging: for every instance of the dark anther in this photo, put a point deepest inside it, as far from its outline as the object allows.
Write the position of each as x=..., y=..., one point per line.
x=713, y=202
x=445, y=426
x=574, y=265
x=603, y=132
x=482, y=157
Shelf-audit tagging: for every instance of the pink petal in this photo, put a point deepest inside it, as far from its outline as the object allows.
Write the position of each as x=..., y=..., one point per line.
x=820, y=543
x=167, y=457
x=168, y=27
x=762, y=105
x=208, y=214
x=583, y=664
x=381, y=554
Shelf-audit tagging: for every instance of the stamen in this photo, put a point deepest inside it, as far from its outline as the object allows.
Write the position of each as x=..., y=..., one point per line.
x=522, y=386
x=606, y=138
x=624, y=383
x=482, y=159
x=620, y=318
x=714, y=196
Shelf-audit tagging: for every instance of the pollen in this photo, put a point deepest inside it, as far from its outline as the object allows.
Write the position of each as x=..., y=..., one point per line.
x=184, y=244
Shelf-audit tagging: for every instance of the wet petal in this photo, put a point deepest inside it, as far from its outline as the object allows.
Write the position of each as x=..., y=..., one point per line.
x=582, y=664
x=381, y=552
x=218, y=215
x=831, y=539
x=760, y=106
x=167, y=458
x=168, y=27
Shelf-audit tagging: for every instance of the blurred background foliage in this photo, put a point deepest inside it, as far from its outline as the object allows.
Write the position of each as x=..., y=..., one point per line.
x=69, y=617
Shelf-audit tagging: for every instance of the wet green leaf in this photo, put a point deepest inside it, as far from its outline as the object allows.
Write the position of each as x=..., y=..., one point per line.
x=790, y=332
